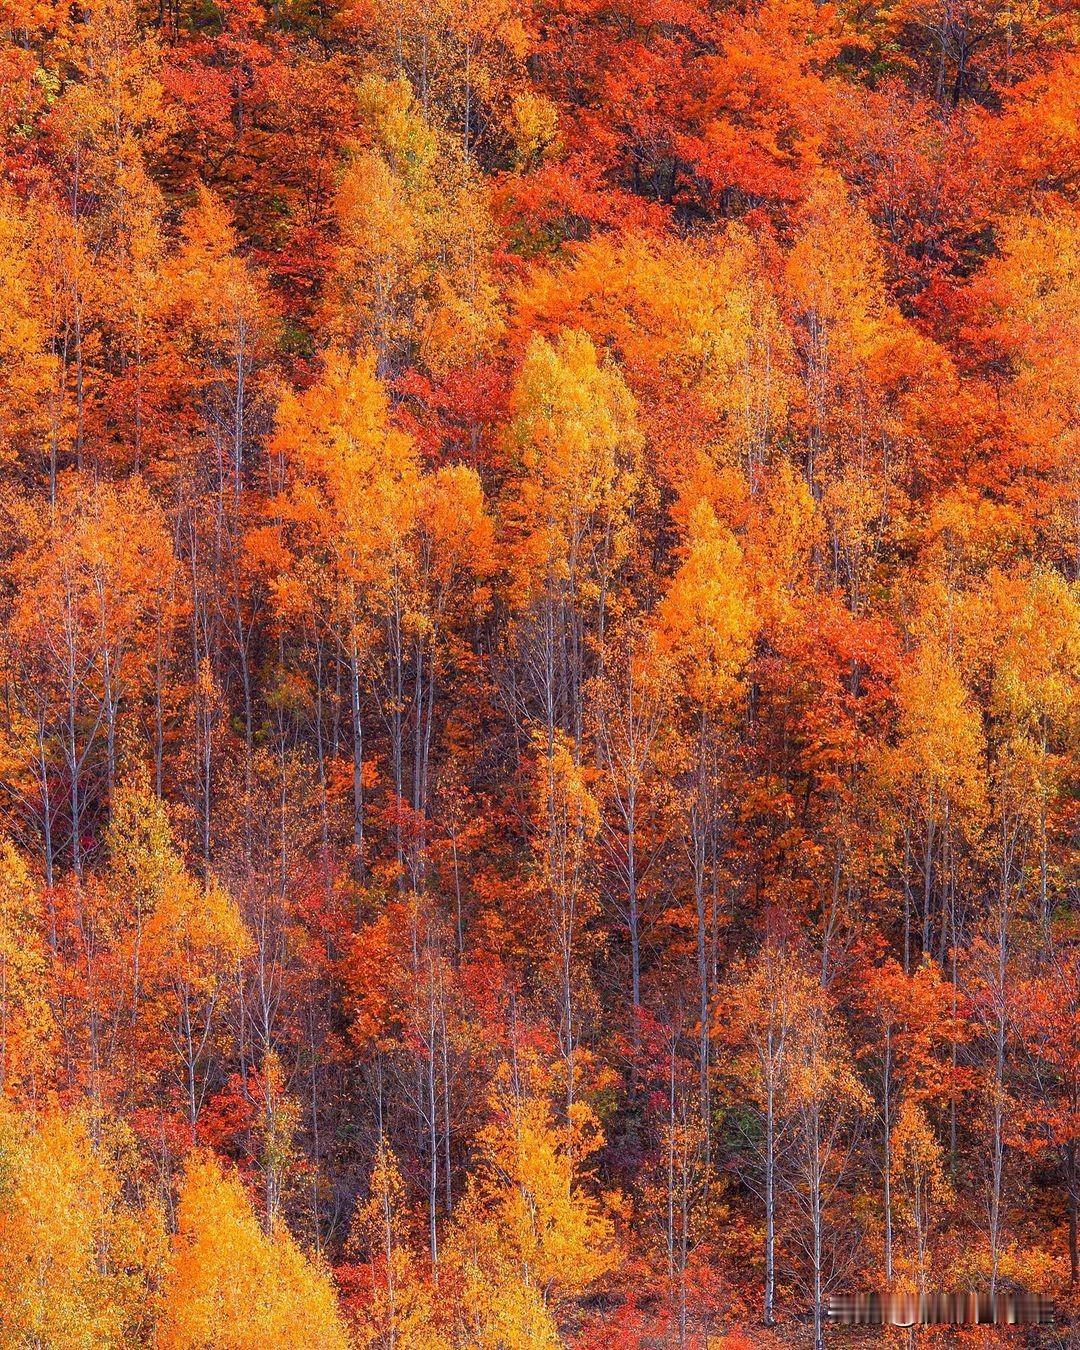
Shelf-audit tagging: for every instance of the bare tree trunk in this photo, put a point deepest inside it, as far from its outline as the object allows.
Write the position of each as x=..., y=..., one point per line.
x=358, y=755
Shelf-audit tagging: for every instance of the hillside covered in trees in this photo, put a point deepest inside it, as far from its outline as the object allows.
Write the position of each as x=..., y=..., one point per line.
x=539, y=668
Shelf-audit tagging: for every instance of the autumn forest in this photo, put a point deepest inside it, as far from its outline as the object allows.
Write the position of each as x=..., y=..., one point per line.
x=539, y=670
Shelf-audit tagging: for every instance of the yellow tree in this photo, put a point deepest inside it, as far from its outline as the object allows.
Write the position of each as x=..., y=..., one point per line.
x=220, y=315
x=144, y=867
x=28, y=366
x=195, y=941
x=1024, y=628
x=706, y=624
x=437, y=586
x=463, y=58
x=936, y=773
x=91, y=583
x=1022, y=642
x=77, y=1261
x=109, y=122
x=529, y=1237
x=453, y=550
x=25, y=1017
x=840, y=302
x=861, y=365
x=232, y=1286
x=409, y=275
x=344, y=521
x=177, y=942
x=706, y=619
x=567, y=514
x=223, y=319
x=174, y=947
x=568, y=820
x=918, y=1181
x=1032, y=292
x=701, y=342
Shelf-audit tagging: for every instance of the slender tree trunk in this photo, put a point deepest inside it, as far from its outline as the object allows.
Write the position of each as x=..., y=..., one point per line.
x=358, y=755
x=888, y=1158
x=770, y=1197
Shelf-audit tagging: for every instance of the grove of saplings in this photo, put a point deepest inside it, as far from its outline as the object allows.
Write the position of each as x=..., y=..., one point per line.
x=539, y=669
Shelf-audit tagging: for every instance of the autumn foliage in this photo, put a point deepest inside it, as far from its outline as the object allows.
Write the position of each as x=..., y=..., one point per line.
x=539, y=668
